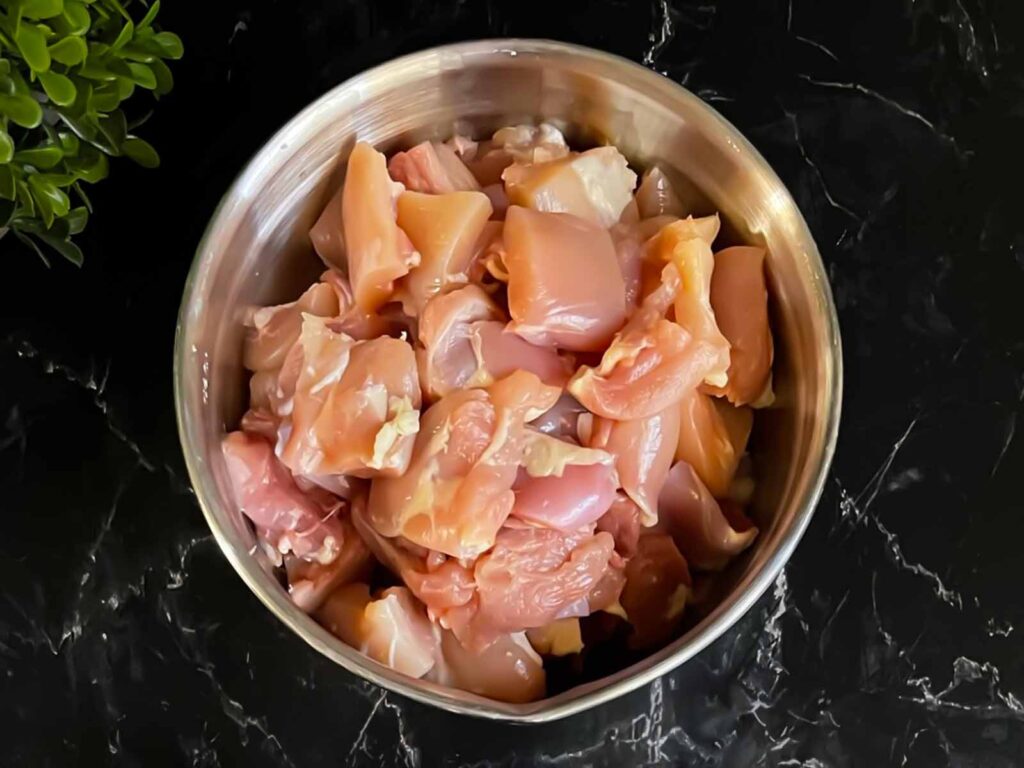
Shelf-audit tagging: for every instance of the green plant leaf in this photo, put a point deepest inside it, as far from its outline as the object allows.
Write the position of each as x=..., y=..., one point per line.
x=7, y=186
x=51, y=201
x=24, y=197
x=41, y=9
x=168, y=45
x=31, y=44
x=124, y=36
x=27, y=240
x=97, y=65
x=64, y=247
x=135, y=52
x=22, y=110
x=105, y=97
x=119, y=8
x=143, y=75
x=92, y=166
x=60, y=229
x=85, y=198
x=77, y=17
x=115, y=128
x=82, y=126
x=42, y=158
x=59, y=88
x=52, y=137
x=69, y=143
x=76, y=219
x=21, y=86
x=87, y=128
x=141, y=152
x=6, y=147
x=66, y=69
x=154, y=9
x=118, y=67
x=164, y=78
x=59, y=179
x=69, y=51
x=125, y=88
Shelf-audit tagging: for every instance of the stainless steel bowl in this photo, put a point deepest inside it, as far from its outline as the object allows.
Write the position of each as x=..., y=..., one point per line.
x=256, y=251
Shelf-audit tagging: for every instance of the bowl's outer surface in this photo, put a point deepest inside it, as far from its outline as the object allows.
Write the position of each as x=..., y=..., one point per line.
x=256, y=251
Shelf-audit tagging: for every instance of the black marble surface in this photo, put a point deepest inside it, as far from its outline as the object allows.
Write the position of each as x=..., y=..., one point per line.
x=894, y=635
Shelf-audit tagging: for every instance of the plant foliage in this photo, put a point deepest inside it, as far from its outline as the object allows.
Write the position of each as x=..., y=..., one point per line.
x=66, y=69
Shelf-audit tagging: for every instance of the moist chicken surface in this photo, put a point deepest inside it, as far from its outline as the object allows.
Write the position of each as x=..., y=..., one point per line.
x=517, y=402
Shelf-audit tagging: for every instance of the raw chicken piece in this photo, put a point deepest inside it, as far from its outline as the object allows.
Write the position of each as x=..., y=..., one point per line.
x=630, y=214
x=262, y=390
x=517, y=143
x=378, y=251
x=257, y=421
x=643, y=451
x=309, y=584
x=741, y=489
x=739, y=296
x=650, y=364
x=438, y=582
x=350, y=318
x=634, y=243
x=704, y=228
x=432, y=167
x=449, y=361
x=342, y=486
x=458, y=489
x=533, y=576
x=547, y=256
x=658, y=586
x=712, y=439
x=604, y=596
x=488, y=262
x=622, y=521
x=275, y=329
x=444, y=229
x=548, y=456
x=499, y=200
x=637, y=268
x=356, y=405
x=466, y=345
x=328, y=233
x=393, y=630
x=507, y=670
x=561, y=637
x=531, y=143
x=268, y=496
x=684, y=244
x=595, y=185
x=655, y=196
x=564, y=486
x=488, y=163
x=563, y=418
x=503, y=352
x=696, y=522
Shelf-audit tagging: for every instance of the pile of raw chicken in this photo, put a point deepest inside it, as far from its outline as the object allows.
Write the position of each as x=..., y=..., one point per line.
x=512, y=415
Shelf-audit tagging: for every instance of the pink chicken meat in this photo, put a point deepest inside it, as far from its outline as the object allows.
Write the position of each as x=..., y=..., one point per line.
x=547, y=254
x=511, y=415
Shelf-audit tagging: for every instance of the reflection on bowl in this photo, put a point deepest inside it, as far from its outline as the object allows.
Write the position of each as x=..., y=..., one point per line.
x=256, y=251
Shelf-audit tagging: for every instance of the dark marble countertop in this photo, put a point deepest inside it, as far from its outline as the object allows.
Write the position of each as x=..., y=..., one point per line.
x=893, y=637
